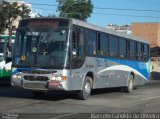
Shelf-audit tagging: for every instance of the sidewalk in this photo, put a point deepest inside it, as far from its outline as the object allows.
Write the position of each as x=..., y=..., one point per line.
x=155, y=70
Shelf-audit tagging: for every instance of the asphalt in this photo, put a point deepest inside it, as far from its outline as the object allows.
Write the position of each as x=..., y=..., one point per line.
x=60, y=105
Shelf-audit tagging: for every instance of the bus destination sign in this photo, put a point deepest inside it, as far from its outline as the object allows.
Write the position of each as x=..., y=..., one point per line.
x=43, y=23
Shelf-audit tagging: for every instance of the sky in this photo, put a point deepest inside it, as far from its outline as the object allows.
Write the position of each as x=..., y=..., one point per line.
x=120, y=12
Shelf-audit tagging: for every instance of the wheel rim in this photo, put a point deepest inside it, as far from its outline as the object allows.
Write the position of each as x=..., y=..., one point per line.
x=87, y=88
x=130, y=84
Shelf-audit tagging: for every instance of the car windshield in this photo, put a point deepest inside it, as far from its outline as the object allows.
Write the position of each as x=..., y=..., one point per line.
x=1, y=47
x=42, y=47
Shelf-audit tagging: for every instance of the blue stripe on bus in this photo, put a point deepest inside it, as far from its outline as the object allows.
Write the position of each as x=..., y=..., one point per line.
x=18, y=70
x=142, y=67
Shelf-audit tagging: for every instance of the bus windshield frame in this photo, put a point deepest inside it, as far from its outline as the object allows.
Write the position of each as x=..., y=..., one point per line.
x=42, y=46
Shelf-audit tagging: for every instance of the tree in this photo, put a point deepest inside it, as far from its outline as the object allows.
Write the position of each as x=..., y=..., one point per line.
x=52, y=15
x=9, y=13
x=80, y=9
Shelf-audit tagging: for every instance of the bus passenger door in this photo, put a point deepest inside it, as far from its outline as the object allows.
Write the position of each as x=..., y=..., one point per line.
x=77, y=47
x=77, y=59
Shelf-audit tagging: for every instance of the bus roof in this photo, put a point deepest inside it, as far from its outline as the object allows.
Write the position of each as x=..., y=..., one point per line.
x=109, y=31
x=97, y=28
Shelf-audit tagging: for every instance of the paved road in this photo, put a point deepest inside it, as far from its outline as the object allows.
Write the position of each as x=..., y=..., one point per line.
x=144, y=99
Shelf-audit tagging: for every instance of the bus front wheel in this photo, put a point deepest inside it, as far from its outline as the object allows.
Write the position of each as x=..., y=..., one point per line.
x=130, y=84
x=85, y=93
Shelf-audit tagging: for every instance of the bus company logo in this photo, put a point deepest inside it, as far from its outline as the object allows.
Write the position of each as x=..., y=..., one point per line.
x=99, y=63
x=106, y=63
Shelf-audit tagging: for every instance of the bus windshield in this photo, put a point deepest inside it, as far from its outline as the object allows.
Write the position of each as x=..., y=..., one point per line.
x=42, y=47
x=1, y=47
x=1, y=51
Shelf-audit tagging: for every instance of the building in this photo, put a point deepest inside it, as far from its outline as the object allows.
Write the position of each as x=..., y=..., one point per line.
x=123, y=29
x=151, y=32
x=148, y=31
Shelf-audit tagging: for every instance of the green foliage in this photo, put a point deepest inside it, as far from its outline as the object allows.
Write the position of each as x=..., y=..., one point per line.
x=9, y=12
x=80, y=9
x=51, y=15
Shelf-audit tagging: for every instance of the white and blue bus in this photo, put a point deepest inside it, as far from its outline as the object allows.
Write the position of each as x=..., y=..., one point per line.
x=72, y=55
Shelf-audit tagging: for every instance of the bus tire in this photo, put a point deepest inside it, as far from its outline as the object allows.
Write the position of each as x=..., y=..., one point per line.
x=85, y=93
x=130, y=85
x=38, y=93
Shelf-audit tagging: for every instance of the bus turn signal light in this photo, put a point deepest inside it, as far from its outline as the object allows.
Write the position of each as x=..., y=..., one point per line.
x=59, y=78
x=64, y=78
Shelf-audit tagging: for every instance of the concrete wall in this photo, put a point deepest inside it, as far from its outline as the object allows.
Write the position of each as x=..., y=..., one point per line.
x=155, y=68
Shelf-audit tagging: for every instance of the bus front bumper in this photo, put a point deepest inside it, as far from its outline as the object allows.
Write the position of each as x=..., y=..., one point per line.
x=38, y=85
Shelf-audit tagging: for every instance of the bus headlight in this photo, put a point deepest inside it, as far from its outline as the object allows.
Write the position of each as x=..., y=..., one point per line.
x=16, y=76
x=59, y=78
x=19, y=76
x=53, y=78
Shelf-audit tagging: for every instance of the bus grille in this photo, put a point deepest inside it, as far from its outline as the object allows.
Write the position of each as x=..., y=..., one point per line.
x=34, y=86
x=36, y=78
x=37, y=71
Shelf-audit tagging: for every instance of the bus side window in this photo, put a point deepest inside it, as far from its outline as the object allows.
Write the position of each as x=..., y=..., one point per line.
x=77, y=46
x=103, y=49
x=139, y=51
x=145, y=52
x=91, y=42
x=113, y=46
x=74, y=42
x=122, y=48
x=132, y=50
